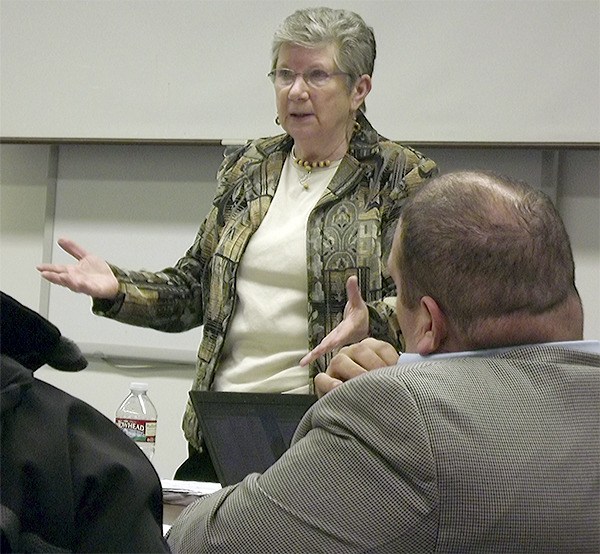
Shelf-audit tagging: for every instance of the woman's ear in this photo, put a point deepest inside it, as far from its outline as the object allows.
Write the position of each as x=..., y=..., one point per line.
x=432, y=326
x=361, y=89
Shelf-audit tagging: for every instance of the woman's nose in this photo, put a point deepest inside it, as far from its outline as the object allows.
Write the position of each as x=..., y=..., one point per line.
x=299, y=88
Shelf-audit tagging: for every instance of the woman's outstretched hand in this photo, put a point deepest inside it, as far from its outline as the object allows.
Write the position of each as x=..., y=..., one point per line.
x=90, y=275
x=353, y=328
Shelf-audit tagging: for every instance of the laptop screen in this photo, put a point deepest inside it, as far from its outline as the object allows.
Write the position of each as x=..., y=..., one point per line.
x=247, y=432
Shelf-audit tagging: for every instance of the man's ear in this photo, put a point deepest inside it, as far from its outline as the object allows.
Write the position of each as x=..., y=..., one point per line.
x=432, y=326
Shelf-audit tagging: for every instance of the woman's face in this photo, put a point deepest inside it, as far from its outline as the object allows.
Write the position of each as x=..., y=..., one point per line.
x=319, y=119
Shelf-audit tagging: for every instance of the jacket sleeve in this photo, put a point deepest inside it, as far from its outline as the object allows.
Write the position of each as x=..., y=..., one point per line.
x=359, y=478
x=173, y=299
x=169, y=300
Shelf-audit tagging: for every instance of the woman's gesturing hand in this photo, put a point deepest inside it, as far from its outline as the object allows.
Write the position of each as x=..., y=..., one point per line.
x=353, y=328
x=90, y=275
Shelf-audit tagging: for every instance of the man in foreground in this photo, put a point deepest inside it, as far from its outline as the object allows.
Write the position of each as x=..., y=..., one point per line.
x=486, y=441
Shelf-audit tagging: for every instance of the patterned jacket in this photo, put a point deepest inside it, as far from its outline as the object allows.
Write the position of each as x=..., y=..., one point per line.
x=350, y=231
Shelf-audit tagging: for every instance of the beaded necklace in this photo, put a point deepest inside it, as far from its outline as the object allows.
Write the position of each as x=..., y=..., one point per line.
x=308, y=167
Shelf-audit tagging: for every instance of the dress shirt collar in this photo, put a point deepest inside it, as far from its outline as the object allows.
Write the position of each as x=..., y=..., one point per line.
x=592, y=346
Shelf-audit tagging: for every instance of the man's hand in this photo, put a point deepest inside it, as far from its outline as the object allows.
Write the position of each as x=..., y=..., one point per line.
x=355, y=360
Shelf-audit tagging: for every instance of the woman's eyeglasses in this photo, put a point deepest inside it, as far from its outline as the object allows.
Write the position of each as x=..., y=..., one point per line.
x=313, y=78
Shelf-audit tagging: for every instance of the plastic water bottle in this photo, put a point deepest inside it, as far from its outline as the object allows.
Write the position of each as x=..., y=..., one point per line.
x=137, y=417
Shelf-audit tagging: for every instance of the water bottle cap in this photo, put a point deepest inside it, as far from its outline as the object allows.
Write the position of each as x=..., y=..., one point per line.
x=138, y=387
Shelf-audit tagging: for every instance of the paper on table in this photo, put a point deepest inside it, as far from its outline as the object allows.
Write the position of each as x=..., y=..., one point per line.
x=185, y=492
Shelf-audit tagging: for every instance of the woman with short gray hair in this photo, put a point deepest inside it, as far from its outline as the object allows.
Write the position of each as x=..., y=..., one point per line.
x=290, y=262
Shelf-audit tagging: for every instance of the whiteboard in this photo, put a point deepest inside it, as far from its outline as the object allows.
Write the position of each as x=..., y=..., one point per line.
x=497, y=71
x=138, y=207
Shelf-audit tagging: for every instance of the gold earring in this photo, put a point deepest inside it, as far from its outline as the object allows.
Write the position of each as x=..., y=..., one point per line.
x=357, y=126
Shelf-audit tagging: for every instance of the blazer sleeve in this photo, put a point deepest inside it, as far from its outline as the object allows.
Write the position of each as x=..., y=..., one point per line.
x=359, y=477
x=173, y=299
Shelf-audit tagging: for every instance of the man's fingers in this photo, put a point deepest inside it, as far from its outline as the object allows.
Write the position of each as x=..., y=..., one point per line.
x=344, y=367
x=367, y=355
x=387, y=353
x=324, y=384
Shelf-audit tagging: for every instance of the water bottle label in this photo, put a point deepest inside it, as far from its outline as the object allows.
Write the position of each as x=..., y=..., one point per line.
x=139, y=430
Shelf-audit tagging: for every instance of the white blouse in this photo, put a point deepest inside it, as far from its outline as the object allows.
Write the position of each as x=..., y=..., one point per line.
x=269, y=333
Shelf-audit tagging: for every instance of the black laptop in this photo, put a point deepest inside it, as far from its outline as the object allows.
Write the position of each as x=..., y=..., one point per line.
x=247, y=432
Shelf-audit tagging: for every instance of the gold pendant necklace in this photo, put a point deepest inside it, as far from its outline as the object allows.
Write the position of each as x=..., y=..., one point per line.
x=304, y=179
x=308, y=167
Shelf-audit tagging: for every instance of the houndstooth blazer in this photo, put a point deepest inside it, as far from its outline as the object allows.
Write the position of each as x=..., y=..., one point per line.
x=495, y=454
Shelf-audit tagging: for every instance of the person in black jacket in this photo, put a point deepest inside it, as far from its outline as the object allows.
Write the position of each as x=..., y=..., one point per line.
x=71, y=480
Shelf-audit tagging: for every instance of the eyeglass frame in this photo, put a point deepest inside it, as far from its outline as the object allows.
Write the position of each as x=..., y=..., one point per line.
x=272, y=75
